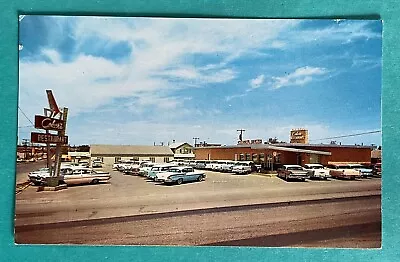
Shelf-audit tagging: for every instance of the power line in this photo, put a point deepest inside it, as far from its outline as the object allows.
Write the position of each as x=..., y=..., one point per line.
x=357, y=134
x=28, y=118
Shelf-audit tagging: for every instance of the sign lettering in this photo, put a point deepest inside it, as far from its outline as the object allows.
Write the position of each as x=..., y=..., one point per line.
x=48, y=138
x=47, y=123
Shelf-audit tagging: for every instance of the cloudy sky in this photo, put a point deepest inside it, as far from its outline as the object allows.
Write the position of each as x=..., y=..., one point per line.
x=146, y=80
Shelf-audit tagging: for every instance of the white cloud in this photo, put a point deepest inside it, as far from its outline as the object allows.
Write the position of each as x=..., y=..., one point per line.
x=160, y=50
x=257, y=82
x=299, y=77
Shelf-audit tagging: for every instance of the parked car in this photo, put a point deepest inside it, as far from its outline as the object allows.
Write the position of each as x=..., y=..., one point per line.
x=210, y=164
x=37, y=177
x=81, y=175
x=179, y=175
x=84, y=163
x=96, y=163
x=288, y=172
x=364, y=171
x=228, y=166
x=317, y=171
x=131, y=169
x=145, y=168
x=343, y=171
x=244, y=167
x=377, y=169
x=200, y=164
x=157, y=169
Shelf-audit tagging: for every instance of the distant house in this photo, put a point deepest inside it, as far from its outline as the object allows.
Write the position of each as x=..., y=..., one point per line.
x=376, y=156
x=182, y=150
x=110, y=154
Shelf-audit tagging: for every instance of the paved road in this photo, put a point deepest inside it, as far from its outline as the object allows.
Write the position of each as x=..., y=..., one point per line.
x=353, y=222
x=251, y=210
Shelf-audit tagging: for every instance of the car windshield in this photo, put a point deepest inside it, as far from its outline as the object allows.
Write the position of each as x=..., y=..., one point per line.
x=174, y=170
x=294, y=168
x=154, y=168
x=344, y=167
x=357, y=166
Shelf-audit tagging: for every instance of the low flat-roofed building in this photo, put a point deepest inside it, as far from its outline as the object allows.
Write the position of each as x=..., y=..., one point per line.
x=264, y=154
x=339, y=153
x=110, y=154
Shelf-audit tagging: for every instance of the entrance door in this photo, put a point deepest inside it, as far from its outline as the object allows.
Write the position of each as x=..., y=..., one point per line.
x=299, y=159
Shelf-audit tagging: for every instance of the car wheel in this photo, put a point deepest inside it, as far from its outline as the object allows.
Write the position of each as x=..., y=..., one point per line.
x=95, y=181
x=179, y=181
x=200, y=178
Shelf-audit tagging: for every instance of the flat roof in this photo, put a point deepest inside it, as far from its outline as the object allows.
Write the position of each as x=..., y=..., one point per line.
x=322, y=145
x=271, y=147
x=98, y=150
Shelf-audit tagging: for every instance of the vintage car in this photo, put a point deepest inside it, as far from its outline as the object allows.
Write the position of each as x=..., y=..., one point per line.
x=228, y=166
x=377, y=169
x=157, y=169
x=96, y=163
x=210, y=164
x=289, y=172
x=244, y=167
x=84, y=163
x=145, y=168
x=179, y=175
x=218, y=166
x=37, y=177
x=343, y=171
x=201, y=164
x=364, y=171
x=316, y=171
x=81, y=175
x=131, y=169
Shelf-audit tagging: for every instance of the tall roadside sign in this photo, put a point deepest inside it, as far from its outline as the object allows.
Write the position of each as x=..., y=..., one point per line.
x=54, y=119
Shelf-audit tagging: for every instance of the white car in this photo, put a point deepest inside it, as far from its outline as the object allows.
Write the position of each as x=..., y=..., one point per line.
x=152, y=174
x=210, y=164
x=243, y=167
x=228, y=166
x=317, y=171
x=179, y=175
x=96, y=163
x=364, y=172
x=79, y=175
x=145, y=168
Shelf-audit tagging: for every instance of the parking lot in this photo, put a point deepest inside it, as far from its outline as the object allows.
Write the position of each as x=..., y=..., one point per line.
x=127, y=195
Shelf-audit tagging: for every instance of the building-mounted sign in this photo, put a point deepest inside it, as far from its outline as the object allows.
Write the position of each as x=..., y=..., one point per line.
x=48, y=123
x=250, y=142
x=48, y=138
x=299, y=136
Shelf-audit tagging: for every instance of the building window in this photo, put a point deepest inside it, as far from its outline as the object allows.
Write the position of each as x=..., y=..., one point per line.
x=166, y=159
x=262, y=157
x=135, y=158
x=278, y=158
x=152, y=159
x=241, y=157
x=255, y=158
x=248, y=157
x=117, y=159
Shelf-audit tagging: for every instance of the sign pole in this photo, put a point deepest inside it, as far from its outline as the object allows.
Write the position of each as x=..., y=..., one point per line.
x=59, y=146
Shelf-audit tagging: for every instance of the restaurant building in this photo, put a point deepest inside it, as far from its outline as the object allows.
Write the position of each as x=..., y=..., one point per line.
x=287, y=153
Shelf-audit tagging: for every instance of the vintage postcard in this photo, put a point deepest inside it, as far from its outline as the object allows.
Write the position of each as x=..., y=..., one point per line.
x=199, y=132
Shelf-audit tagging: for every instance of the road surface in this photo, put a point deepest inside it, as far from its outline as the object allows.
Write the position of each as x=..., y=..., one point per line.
x=224, y=210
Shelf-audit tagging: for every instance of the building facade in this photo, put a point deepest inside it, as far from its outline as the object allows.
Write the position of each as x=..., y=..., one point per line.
x=264, y=154
x=182, y=150
x=299, y=154
x=110, y=154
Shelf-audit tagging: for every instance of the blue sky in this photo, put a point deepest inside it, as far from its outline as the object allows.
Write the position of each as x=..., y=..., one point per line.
x=146, y=80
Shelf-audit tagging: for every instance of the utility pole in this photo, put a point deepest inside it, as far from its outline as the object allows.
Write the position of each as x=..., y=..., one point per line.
x=195, y=141
x=241, y=134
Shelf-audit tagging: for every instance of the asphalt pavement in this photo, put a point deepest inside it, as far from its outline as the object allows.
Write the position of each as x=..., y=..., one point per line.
x=225, y=209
